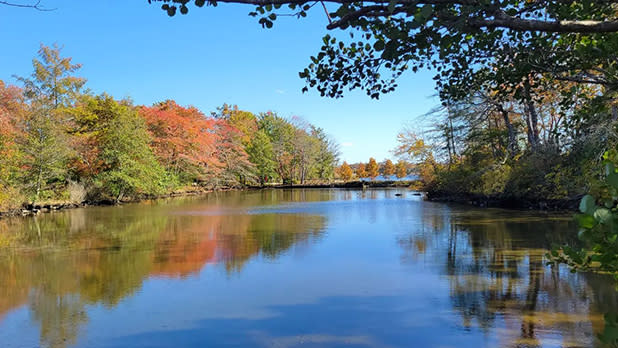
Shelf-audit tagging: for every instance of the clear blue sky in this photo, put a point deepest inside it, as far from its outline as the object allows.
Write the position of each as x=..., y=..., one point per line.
x=209, y=57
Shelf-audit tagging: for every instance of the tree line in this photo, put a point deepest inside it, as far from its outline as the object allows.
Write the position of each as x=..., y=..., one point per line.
x=372, y=169
x=59, y=141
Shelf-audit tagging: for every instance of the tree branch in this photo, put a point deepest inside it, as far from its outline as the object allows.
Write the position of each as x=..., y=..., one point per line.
x=36, y=6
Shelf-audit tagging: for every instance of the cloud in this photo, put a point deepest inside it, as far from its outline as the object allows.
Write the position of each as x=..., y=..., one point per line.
x=279, y=91
x=347, y=144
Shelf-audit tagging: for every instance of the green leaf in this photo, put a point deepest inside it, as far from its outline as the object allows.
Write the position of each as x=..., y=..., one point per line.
x=587, y=205
x=585, y=221
x=603, y=215
x=612, y=180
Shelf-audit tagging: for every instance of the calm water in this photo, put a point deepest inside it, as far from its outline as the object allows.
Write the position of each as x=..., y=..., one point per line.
x=308, y=268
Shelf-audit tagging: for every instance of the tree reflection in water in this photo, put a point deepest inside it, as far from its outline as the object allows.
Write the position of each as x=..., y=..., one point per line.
x=498, y=278
x=58, y=264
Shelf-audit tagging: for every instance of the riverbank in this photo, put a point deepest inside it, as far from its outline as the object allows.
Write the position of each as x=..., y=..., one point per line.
x=58, y=205
x=497, y=201
x=350, y=184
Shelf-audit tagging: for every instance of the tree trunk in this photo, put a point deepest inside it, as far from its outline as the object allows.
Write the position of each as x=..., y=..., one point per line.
x=512, y=146
x=532, y=118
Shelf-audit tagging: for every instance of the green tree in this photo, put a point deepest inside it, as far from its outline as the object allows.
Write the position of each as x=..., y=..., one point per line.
x=50, y=90
x=52, y=83
x=281, y=134
x=46, y=150
x=459, y=39
x=261, y=154
x=327, y=154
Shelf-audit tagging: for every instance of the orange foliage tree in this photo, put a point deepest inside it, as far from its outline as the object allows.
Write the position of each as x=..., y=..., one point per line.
x=12, y=108
x=388, y=168
x=183, y=139
x=361, y=172
x=345, y=172
x=373, y=169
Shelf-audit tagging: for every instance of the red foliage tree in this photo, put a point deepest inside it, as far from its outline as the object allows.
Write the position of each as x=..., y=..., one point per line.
x=184, y=139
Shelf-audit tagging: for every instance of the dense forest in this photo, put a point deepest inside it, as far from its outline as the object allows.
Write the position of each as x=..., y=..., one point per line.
x=59, y=141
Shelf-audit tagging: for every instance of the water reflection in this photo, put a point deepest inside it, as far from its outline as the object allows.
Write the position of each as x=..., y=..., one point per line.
x=287, y=268
x=58, y=264
x=499, y=282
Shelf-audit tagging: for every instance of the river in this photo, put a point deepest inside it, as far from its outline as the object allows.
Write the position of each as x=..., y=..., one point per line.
x=296, y=268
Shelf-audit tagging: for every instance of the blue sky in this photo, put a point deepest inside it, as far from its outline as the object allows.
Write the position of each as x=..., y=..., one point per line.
x=209, y=57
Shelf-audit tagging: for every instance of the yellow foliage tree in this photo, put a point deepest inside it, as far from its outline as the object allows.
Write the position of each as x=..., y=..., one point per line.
x=388, y=168
x=401, y=169
x=345, y=171
x=373, y=169
x=360, y=171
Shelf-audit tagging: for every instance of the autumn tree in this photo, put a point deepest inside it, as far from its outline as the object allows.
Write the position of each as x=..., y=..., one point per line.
x=235, y=168
x=244, y=121
x=345, y=171
x=183, y=139
x=373, y=170
x=361, y=171
x=388, y=168
x=12, y=110
x=401, y=169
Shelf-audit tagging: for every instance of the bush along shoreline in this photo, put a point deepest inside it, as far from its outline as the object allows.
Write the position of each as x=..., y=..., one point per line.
x=505, y=202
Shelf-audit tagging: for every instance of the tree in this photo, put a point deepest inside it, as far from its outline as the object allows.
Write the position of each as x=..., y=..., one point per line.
x=361, y=172
x=304, y=149
x=12, y=111
x=281, y=134
x=36, y=5
x=46, y=151
x=460, y=39
x=49, y=91
x=261, y=154
x=236, y=169
x=401, y=169
x=388, y=168
x=327, y=154
x=244, y=121
x=183, y=139
x=52, y=82
x=345, y=171
x=373, y=170
x=118, y=152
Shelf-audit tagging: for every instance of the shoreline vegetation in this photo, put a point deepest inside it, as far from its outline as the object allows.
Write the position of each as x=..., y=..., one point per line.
x=57, y=205
x=476, y=200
